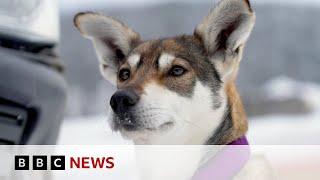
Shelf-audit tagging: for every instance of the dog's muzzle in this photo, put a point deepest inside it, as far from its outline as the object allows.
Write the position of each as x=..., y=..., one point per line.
x=122, y=103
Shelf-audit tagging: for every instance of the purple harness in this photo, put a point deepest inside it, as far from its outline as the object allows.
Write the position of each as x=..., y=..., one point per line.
x=227, y=163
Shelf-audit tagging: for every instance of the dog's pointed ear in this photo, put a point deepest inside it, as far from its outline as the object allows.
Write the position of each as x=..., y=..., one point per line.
x=225, y=31
x=112, y=39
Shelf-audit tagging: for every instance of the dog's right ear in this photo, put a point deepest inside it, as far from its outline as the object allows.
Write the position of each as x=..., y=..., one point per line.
x=112, y=40
x=224, y=33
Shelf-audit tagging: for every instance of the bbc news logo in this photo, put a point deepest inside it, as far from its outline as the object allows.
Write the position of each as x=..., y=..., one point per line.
x=39, y=162
x=59, y=162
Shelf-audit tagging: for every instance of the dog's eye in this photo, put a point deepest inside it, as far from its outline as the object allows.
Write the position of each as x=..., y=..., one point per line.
x=124, y=74
x=177, y=71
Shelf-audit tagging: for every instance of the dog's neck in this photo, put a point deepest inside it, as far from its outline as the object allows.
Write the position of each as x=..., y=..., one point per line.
x=234, y=125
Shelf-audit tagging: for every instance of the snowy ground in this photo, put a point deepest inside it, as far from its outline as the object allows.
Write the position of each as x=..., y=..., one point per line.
x=269, y=130
x=292, y=162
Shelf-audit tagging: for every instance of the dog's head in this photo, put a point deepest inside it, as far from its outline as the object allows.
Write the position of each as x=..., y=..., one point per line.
x=170, y=90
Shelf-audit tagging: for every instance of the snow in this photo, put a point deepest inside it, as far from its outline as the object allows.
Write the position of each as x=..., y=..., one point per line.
x=283, y=88
x=268, y=130
x=285, y=130
x=89, y=131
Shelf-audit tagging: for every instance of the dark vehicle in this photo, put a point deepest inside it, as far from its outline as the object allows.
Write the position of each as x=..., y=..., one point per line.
x=32, y=84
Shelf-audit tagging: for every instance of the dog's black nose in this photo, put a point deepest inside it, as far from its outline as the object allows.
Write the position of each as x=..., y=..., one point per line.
x=123, y=100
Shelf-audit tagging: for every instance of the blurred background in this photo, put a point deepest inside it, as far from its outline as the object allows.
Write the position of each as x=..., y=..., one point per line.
x=279, y=77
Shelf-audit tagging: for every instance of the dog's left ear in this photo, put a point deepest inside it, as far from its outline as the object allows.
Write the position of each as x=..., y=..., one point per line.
x=224, y=33
x=112, y=39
